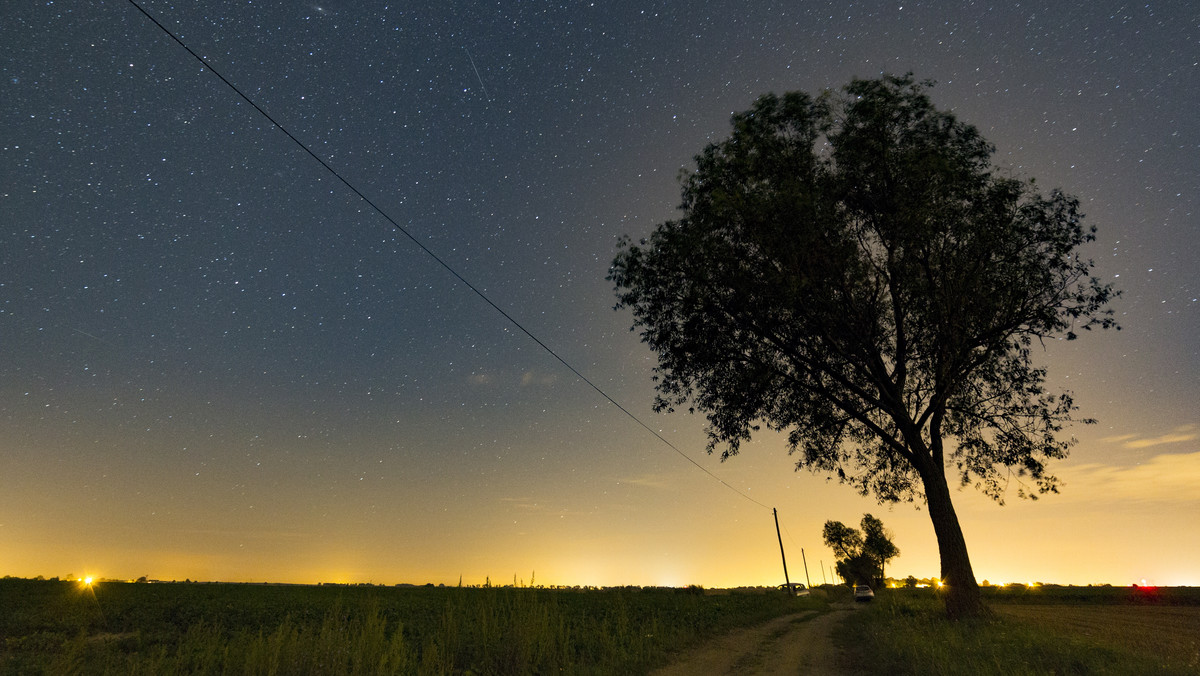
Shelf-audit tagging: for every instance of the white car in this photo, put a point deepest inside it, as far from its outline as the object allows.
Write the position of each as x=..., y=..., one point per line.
x=863, y=593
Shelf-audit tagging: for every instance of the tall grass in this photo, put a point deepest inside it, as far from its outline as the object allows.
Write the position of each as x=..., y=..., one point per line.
x=909, y=634
x=244, y=629
x=343, y=643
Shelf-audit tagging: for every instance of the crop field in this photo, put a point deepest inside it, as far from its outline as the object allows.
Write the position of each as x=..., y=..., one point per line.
x=1040, y=630
x=1172, y=633
x=63, y=627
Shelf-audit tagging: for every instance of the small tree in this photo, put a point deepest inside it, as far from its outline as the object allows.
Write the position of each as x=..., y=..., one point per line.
x=861, y=555
x=877, y=544
x=853, y=271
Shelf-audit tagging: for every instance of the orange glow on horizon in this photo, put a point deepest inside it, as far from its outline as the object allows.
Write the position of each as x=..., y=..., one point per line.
x=579, y=576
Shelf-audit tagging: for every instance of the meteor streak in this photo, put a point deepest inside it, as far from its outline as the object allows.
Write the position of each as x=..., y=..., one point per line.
x=477, y=77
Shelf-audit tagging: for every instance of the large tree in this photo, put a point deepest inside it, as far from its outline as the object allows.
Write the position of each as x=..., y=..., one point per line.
x=851, y=269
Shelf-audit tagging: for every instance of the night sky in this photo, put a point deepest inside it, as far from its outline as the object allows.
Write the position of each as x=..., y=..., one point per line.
x=218, y=363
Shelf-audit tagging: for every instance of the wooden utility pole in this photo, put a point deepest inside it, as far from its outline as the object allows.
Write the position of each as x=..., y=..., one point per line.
x=805, y=560
x=781, y=554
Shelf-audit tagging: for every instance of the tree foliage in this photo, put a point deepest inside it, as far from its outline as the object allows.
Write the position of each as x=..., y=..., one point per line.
x=845, y=541
x=877, y=542
x=851, y=269
x=861, y=554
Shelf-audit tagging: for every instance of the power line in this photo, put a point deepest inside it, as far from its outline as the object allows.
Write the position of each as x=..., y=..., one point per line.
x=402, y=230
x=790, y=538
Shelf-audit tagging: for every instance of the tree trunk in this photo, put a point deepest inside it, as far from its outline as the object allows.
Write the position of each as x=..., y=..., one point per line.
x=961, y=593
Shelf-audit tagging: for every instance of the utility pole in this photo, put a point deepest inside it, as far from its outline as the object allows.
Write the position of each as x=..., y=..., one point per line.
x=781, y=554
x=805, y=560
x=823, y=571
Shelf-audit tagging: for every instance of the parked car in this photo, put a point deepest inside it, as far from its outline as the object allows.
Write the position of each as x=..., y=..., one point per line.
x=798, y=588
x=863, y=593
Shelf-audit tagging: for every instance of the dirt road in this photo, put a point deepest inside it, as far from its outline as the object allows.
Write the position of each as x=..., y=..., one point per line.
x=792, y=644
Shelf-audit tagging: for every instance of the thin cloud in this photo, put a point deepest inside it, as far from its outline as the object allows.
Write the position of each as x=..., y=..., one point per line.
x=250, y=534
x=1170, y=477
x=534, y=505
x=534, y=378
x=527, y=379
x=525, y=504
x=646, y=481
x=1178, y=435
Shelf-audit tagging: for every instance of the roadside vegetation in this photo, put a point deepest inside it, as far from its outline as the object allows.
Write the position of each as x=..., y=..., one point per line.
x=64, y=627
x=1031, y=630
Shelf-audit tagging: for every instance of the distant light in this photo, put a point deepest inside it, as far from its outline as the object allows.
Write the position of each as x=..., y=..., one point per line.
x=87, y=581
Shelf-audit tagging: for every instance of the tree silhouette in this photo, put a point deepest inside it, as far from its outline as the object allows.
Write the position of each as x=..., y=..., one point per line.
x=861, y=555
x=852, y=270
x=878, y=545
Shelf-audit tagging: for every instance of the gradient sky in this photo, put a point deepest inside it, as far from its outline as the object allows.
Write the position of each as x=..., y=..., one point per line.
x=217, y=363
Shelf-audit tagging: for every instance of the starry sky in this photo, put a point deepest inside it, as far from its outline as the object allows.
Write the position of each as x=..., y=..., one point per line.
x=218, y=363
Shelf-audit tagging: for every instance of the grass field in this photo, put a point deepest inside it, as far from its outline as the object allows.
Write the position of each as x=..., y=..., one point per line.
x=57, y=627
x=1048, y=630
x=129, y=628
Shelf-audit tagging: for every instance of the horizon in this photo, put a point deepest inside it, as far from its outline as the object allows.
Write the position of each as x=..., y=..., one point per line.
x=889, y=582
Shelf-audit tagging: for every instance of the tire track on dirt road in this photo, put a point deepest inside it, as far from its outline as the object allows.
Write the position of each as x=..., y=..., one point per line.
x=791, y=644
